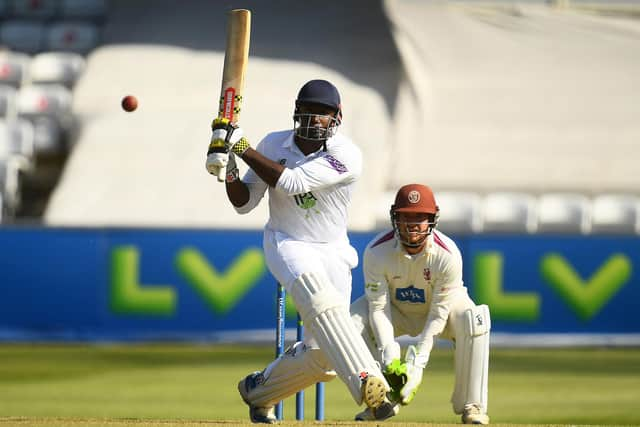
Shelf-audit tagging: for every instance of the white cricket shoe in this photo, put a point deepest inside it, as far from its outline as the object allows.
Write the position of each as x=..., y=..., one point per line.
x=474, y=414
x=258, y=415
x=382, y=412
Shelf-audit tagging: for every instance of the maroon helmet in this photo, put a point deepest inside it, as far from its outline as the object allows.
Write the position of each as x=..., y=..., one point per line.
x=415, y=198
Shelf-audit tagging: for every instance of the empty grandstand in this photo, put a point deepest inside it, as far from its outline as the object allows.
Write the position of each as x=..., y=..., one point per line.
x=522, y=115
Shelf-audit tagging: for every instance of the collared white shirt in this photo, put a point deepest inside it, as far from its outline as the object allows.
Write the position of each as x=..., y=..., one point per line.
x=311, y=198
x=421, y=287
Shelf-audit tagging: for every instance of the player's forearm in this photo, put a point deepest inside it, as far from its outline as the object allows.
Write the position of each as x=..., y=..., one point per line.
x=238, y=193
x=381, y=325
x=268, y=170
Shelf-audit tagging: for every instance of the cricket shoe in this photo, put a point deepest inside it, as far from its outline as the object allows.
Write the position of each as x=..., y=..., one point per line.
x=473, y=414
x=374, y=391
x=382, y=412
x=258, y=415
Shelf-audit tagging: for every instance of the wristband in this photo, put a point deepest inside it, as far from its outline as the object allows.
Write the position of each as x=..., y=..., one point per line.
x=241, y=146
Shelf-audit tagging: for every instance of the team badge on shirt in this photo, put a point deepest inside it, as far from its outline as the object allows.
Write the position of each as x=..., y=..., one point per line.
x=427, y=274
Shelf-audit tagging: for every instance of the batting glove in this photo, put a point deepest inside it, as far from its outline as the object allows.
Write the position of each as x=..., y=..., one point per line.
x=225, y=137
x=415, y=365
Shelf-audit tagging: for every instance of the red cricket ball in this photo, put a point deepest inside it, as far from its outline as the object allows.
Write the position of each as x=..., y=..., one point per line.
x=129, y=103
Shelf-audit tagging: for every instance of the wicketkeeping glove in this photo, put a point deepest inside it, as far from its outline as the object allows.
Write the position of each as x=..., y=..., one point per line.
x=415, y=365
x=225, y=137
x=396, y=375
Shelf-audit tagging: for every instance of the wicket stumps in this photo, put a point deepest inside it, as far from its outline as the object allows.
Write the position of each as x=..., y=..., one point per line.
x=280, y=328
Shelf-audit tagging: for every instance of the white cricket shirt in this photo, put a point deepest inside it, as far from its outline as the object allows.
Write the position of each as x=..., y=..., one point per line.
x=311, y=198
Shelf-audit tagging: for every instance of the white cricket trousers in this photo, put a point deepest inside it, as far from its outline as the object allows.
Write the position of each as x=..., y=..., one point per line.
x=288, y=258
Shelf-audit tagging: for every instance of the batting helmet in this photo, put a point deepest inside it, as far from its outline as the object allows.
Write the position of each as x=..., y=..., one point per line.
x=320, y=92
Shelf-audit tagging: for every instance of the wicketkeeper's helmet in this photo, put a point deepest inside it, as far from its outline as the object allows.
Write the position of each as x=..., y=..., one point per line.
x=415, y=198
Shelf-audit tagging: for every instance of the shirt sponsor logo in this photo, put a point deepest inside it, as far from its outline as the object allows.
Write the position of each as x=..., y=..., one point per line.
x=306, y=200
x=410, y=294
x=336, y=164
x=372, y=286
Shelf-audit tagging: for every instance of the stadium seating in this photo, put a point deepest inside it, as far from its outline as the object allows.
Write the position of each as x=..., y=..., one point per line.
x=460, y=212
x=23, y=36
x=616, y=214
x=7, y=101
x=56, y=68
x=13, y=68
x=48, y=107
x=44, y=46
x=84, y=9
x=17, y=138
x=79, y=37
x=563, y=213
x=30, y=9
x=516, y=150
x=509, y=212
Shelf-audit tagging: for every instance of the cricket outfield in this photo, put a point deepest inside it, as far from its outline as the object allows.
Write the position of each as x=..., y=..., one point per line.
x=195, y=384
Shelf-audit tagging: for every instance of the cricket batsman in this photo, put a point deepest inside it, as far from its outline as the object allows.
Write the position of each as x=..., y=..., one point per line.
x=309, y=173
x=413, y=286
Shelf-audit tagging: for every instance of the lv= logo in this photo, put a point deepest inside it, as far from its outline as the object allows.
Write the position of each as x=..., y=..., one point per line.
x=221, y=291
x=586, y=297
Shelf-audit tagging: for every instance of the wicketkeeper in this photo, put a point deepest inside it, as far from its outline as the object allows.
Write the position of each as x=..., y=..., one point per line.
x=413, y=286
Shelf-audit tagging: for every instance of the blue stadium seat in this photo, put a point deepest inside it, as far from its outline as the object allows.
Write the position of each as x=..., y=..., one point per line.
x=4, y=8
x=79, y=37
x=34, y=9
x=84, y=9
x=23, y=36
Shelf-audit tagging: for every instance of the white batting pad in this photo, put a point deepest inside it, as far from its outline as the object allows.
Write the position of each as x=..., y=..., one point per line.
x=326, y=313
x=298, y=368
x=472, y=359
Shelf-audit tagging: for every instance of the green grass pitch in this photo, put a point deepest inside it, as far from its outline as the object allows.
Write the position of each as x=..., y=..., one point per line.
x=190, y=384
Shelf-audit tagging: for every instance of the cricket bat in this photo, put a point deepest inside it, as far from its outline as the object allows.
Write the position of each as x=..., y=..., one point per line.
x=236, y=57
